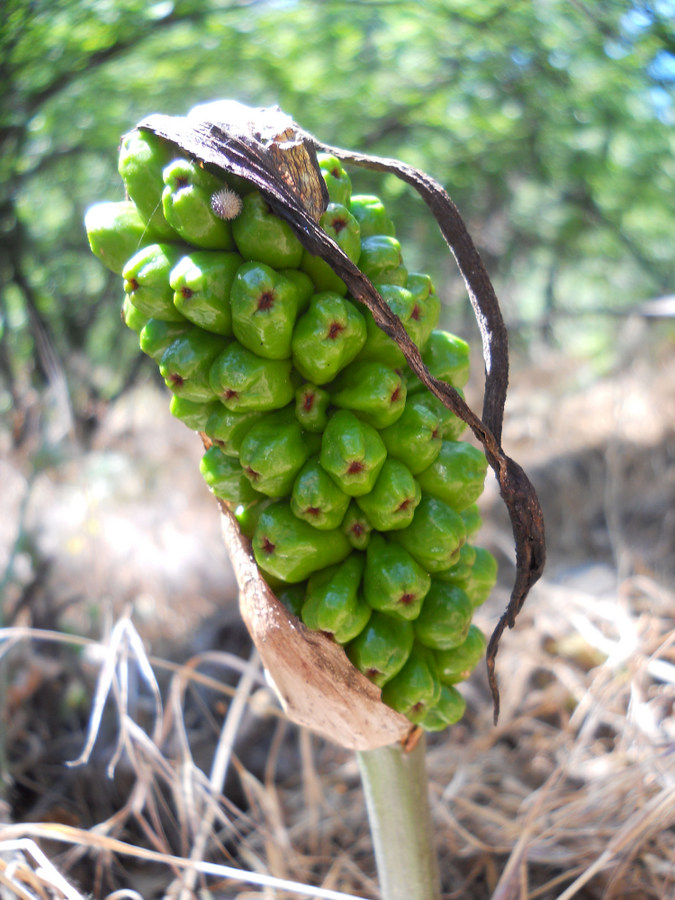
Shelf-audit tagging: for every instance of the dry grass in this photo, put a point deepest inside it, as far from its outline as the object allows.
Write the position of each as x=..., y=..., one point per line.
x=191, y=784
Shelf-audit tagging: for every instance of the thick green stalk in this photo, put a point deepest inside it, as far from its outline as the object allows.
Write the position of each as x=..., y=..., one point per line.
x=397, y=797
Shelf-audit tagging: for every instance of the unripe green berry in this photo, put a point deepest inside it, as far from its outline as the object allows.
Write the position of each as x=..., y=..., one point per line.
x=264, y=309
x=201, y=282
x=263, y=236
x=373, y=391
x=327, y=337
x=316, y=498
x=337, y=180
x=457, y=663
x=393, y=582
x=146, y=281
x=445, y=616
x=272, y=453
x=352, y=453
x=186, y=200
x=382, y=648
x=456, y=476
x=290, y=549
x=435, y=535
x=394, y=498
x=245, y=381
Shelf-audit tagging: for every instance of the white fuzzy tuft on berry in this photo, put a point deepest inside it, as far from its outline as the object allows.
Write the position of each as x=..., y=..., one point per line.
x=226, y=204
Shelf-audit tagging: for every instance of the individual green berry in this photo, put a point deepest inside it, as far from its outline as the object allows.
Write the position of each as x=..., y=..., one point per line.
x=381, y=260
x=456, y=476
x=186, y=362
x=352, y=452
x=376, y=393
x=394, y=498
x=142, y=158
x=264, y=309
x=393, y=582
x=331, y=602
x=248, y=515
x=116, y=232
x=146, y=281
x=156, y=335
x=427, y=309
x=338, y=182
x=472, y=520
x=379, y=346
x=445, y=616
x=382, y=648
x=227, y=428
x=263, y=236
x=483, y=577
x=450, y=427
x=462, y=568
x=342, y=227
x=290, y=549
x=201, y=282
x=292, y=596
x=311, y=407
x=414, y=437
x=273, y=452
x=449, y=709
x=457, y=663
x=133, y=318
x=225, y=478
x=370, y=213
x=435, y=535
x=316, y=498
x=186, y=200
x=356, y=527
x=245, y=381
x=304, y=286
x=416, y=688
x=447, y=358
x=327, y=337
x=192, y=413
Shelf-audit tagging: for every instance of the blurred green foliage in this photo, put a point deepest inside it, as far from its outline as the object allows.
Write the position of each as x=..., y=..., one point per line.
x=550, y=122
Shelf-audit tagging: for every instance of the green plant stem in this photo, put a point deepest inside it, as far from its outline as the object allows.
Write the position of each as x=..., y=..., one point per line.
x=397, y=797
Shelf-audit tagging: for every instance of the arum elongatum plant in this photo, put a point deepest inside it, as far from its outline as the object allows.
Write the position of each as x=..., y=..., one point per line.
x=317, y=684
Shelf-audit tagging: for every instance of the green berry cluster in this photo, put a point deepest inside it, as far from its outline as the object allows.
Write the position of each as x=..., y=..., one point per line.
x=348, y=476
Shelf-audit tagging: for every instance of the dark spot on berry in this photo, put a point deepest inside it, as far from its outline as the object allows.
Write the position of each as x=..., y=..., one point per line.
x=404, y=505
x=434, y=434
x=229, y=394
x=252, y=474
x=308, y=402
x=176, y=379
x=335, y=173
x=339, y=224
x=415, y=314
x=418, y=708
x=355, y=467
x=407, y=599
x=357, y=529
x=313, y=511
x=334, y=330
x=182, y=182
x=396, y=394
x=267, y=546
x=133, y=284
x=372, y=673
x=266, y=301
x=186, y=292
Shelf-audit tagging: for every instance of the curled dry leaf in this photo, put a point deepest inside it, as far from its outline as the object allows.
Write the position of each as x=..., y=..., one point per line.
x=268, y=149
